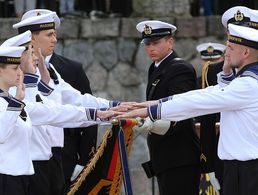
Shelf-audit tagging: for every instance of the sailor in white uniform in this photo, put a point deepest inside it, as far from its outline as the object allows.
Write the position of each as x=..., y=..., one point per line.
x=17, y=120
x=236, y=97
x=43, y=23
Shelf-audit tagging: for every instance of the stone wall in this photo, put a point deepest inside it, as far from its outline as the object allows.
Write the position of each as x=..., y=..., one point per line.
x=117, y=65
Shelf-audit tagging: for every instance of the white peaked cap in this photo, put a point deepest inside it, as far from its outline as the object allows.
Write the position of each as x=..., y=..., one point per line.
x=254, y=19
x=11, y=55
x=211, y=50
x=243, y=35
x=35, y=21
x=239, y=15
x=18, y=40
x=154, y=29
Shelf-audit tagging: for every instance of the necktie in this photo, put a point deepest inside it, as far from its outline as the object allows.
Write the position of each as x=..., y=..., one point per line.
x=23, y=115
x=38, y=98
x=53, y=75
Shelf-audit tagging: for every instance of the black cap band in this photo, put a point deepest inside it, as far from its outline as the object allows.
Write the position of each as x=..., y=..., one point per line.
x=10, y=60
x=156, y=32
x=242, y=41
x=244, y=22
x=37, y=27
x=214, y=53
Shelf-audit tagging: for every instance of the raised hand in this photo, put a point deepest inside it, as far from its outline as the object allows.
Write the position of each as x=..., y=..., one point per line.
x=28, y=64
x=44, y=73
x=20, y=89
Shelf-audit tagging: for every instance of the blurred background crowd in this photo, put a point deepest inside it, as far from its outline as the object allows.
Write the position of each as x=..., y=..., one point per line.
x=110, y=8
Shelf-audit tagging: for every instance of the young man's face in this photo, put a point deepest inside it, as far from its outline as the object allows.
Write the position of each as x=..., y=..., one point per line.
x=10, y=75
x=45, y=40
x=158, y=49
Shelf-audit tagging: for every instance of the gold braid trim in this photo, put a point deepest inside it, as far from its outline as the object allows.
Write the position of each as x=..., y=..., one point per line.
x=205, y=69
x=90, y=166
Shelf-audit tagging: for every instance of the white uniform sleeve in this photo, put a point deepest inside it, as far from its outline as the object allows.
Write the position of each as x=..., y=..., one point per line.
x=72, y=96
x=202, y=102
x=59, y=115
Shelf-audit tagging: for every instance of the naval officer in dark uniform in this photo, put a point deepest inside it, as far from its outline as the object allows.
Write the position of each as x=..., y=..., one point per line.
x=174, y=156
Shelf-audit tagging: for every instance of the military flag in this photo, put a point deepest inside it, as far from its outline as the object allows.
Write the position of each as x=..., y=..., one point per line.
x=108, y=166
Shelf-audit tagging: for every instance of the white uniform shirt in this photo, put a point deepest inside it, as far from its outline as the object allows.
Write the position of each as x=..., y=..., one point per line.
x=15, y=136
x=238, y=104
x=46, y=136
x=66, y=94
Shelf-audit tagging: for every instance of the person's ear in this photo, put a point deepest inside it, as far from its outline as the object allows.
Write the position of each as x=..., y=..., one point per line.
x=247, y=52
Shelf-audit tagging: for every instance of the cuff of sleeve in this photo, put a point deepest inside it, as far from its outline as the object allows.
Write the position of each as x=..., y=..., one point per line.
x=15, y=105
x=44, y=88
x=227, y=78
x=91, y=114
x=30, y=80
x=104, y=109
x=154, y=112
x=114, y=103
x=165, y=99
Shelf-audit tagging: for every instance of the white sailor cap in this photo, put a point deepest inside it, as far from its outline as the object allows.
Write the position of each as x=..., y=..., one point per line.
x=211, y=50
x=238, y=15
x=154, y=29
x=243, y=36
x=38, y=19
x=11, y=55
x=18, y=40
x=254, y=19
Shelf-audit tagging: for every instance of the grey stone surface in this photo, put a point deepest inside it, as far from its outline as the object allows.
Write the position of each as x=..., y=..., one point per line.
x=59, y=48
x=97, y=75
x=79, y=50
x=126, y=75
x=70, y=28
x=105, y=52
x=128, y=27
x=142, y=61
x=100, y=28
x=7, y=30
x=191, y=27
x=214, y=26
x=126, y=50
x=185, y=48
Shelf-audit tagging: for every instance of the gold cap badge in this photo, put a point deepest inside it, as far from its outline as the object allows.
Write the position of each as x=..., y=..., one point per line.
x=210, y=49
x=147, y=29
x=239, y=16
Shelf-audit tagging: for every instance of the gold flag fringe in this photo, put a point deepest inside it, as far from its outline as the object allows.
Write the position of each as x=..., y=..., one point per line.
x=90, y=166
